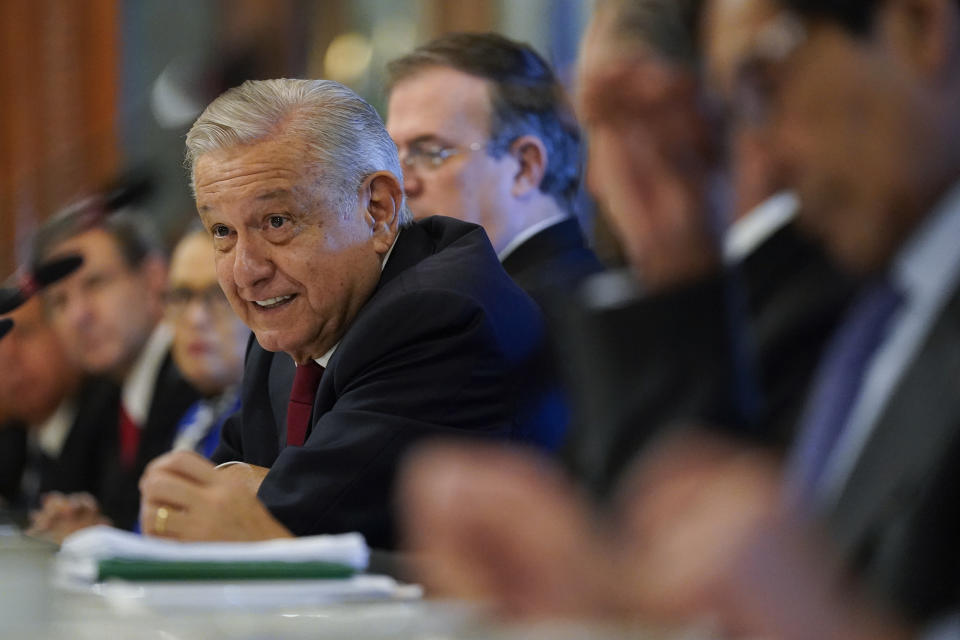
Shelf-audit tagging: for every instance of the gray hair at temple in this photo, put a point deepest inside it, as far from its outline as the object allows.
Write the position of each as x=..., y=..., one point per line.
x=669, y=28
x=345, y=135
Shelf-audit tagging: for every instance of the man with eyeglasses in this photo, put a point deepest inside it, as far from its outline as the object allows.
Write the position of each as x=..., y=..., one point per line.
x=108, y=315
x=486, y=135
x=209, y=341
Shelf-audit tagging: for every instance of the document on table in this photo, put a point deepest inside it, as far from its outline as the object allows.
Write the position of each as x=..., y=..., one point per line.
x=167, y=573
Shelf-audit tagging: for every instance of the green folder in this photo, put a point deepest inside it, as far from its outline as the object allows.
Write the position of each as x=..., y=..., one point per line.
x=160, y=570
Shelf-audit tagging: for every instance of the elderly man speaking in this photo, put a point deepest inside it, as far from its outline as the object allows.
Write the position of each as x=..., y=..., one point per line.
x=400, y=331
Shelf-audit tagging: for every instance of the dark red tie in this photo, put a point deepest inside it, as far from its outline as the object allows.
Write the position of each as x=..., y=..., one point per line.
x=129, y=435
x=305, y=384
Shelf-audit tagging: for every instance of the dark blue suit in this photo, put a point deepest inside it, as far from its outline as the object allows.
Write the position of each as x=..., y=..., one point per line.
x=440, y=349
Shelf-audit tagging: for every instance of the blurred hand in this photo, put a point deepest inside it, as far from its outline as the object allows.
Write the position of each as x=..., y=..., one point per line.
x=202, y=503
x=705, y=537
x=702, y=538
x=502, y=527
x=652, y=161
x=60, y=515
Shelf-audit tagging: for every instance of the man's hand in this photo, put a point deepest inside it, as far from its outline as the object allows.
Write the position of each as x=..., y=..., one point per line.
x=186, y=498
x=705, y=536
x=503, y=527
x=60, y=515
x=702, y=537
x=653, y=165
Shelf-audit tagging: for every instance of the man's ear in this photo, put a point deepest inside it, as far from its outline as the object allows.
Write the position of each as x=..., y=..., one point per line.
x=925, y=33
x=382, y=199
x=531, y=156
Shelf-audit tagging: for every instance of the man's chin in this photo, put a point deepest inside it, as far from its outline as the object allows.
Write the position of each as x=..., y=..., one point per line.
x=98, y=365
x=268, y=342
x=276, y=343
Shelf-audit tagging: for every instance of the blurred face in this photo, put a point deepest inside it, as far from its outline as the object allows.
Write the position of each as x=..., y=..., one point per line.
x=649, y=143
x=444, y=112
x=208, y=338
x=295, y=270
x=104, y=312
x=35, y=375
x=842, y=112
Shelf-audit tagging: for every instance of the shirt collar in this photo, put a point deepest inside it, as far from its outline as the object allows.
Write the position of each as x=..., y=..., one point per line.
x=761, y=222
x=528, y=233
x=927, y=267
x=54, y=431
x=139, y=384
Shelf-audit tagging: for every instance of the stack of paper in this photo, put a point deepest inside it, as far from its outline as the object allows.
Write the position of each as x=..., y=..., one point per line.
x=132, y=571
x=100, y=553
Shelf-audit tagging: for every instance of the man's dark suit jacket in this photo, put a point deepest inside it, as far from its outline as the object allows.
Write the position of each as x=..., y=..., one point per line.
x=897, y=519
x=556, y=257
x=435, y=351
x=119, y=493
x=547, y=266
x=90, y=460
x=736, y=351
x=76, y=468
x=795, y=297
x=13, y=459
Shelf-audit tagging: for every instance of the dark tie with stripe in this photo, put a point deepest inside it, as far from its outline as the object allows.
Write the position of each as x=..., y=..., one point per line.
x=837, y=385
x=305, y=383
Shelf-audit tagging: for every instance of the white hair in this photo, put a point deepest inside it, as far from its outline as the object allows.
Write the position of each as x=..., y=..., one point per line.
x=345, y=135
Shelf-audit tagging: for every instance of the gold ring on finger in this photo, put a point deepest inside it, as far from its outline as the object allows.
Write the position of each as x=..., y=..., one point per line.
x=160, y=522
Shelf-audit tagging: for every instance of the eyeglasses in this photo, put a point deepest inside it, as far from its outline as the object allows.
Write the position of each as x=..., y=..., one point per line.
x=430, y=156
x=212, y=298
x=760, y=75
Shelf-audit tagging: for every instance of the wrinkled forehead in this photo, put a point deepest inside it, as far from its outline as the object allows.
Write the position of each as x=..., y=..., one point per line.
x=263, y=171
x=438, y=101
x=731, y=31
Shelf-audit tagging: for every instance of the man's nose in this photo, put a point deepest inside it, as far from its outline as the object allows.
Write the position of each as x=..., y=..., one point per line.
x=412, y=183
x=252, y=263
x=77, y=311
x=197, y=313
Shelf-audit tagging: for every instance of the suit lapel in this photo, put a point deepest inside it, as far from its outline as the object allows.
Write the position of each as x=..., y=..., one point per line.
x=280, y=380
x=172, y=396
x=416, y=242
x=906, y=445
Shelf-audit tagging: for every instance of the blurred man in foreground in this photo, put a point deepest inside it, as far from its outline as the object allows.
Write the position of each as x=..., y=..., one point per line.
x=861, y=99
x=713, y=277
x=108, y=317
x=391, y=332
x=486, y=135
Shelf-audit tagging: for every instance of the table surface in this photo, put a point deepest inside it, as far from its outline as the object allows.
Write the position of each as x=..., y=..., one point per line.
x=32, y=607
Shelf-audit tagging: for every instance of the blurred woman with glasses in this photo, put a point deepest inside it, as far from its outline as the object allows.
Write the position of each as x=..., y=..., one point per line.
x=208, y=344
